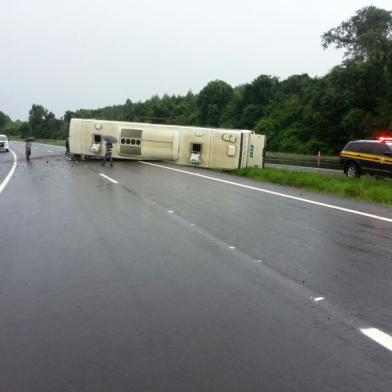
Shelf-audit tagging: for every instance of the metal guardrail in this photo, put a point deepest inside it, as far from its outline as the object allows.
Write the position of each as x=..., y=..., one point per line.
x=325, y=163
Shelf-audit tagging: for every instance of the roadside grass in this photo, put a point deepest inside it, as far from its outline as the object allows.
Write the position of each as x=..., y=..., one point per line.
x=365, y=188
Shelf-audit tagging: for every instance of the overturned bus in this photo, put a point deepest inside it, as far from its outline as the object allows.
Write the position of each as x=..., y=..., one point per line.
x=190, y=146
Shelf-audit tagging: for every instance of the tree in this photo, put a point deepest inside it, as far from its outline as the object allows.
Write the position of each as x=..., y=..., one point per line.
x=366, y=36
x=212, y=101
x=4, y=120
x=43, y=123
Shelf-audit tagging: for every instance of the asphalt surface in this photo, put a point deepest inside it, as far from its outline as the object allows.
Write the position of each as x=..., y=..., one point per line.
x=6, y=160
x=166, y=281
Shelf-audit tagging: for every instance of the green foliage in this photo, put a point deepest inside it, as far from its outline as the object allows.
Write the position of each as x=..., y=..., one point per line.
x=212, y=101
x=366, y=36
x=4, y=120
x=43, y=124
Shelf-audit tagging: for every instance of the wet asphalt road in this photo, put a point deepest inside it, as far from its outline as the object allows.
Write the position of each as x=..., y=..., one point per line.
x=6, y=160
x=172, y=282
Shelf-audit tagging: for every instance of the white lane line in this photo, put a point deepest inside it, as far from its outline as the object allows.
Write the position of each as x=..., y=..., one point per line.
x=50, y=151
x=9, y=175
x=378, y=336
x=317, y=203
x=232, y=247
x=108, y=178
x=170, y=211
x=317, y=299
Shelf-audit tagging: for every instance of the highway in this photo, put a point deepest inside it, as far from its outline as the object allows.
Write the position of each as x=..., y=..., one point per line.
x=156, y=277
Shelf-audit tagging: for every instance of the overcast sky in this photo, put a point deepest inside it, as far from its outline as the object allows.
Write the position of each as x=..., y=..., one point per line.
x=70, y=54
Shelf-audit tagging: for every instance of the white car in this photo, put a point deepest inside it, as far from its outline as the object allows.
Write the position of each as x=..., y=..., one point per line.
x=3, y=143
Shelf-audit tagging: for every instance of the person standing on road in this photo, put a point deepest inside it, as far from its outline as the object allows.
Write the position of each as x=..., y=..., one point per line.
x=28, y=150
x=108, y=154
x=67, y=147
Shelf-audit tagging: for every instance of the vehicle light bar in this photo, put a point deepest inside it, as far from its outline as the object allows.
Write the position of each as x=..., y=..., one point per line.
x=385, y=139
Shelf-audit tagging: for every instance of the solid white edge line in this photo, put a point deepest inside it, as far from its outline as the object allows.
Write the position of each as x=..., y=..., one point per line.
x=7, y=179
x=378, y=336
x=108, y=178
x=317, y=203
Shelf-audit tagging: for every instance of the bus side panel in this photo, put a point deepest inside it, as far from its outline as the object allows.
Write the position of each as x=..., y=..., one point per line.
x=225, y=150
x=75, y=136
x=193, y=140
x=159, y=144
x=256, y=151
x=245, y=142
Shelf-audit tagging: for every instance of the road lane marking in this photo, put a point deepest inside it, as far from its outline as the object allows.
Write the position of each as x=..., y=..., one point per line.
x=170, y=211
x=317, y=299
x=284, y=195
x=232, y=247
x=50, y=151
x=9, y=175
x=378, y=336
x=108, y=178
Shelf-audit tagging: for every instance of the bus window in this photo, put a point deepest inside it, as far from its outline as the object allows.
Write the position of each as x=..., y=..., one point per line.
x=196, y=148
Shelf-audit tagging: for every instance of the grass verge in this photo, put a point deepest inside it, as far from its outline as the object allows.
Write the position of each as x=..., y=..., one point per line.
x=365, y=188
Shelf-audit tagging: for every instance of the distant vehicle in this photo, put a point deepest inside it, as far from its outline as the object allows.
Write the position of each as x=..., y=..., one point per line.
x=190, y=146
x=372, y=157
x=4, y=143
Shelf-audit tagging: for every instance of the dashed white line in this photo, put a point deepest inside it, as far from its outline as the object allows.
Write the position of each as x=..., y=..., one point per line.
x=317, y=299
x=170, y=211
x=9, y=175
x=50, y=151
x=108, y=178
x=232, y=247
x=301, y=199
x=378, y=336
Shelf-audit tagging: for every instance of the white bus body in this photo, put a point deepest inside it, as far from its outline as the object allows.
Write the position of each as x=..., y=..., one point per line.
x=190, y=146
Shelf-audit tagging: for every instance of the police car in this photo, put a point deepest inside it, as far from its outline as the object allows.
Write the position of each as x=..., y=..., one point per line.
x=372, y=157
x=3, y=143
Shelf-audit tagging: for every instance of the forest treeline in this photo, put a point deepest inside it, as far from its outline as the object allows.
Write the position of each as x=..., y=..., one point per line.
x=300, y=114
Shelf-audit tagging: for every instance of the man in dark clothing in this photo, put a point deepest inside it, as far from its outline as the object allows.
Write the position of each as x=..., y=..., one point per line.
x=108, y=154
x=28, y=150
x=67, y=147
